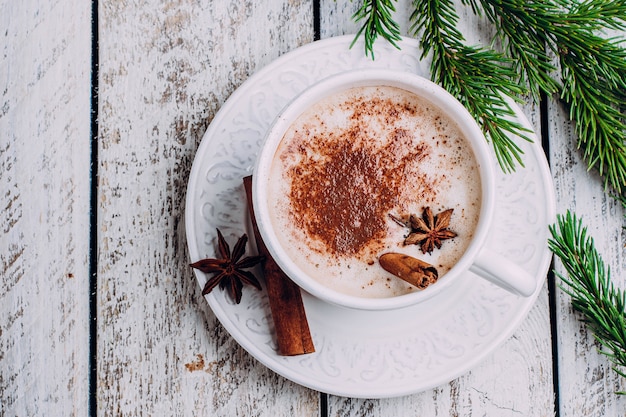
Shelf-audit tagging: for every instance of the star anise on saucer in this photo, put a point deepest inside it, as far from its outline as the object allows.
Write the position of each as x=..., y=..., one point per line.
x=229, y=270
x=429, y=230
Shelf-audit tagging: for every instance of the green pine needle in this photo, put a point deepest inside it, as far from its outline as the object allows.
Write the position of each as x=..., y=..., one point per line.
x=592, y=80
x=521, y=28
x=377, y=17
x=588, y=283
x=594, y=87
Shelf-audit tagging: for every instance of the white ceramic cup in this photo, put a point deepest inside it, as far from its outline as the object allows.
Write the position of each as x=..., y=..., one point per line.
x=477, y=258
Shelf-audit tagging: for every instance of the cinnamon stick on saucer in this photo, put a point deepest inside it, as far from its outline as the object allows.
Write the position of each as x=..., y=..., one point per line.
x=292, y=328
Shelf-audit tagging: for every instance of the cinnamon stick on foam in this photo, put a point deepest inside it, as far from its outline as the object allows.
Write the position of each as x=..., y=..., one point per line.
x=412, y=270
x=292, y=328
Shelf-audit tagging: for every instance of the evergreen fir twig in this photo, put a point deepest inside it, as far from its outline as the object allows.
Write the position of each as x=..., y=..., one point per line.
x=592, y=68
x=588, y=283
x=377, y=17
x=521, y=28
x=595, y=89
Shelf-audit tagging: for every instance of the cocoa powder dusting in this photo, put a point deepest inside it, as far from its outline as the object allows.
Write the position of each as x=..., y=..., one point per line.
x=348, y=181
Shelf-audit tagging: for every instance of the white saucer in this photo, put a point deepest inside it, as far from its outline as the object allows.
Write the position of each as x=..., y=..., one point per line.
x=362, y=354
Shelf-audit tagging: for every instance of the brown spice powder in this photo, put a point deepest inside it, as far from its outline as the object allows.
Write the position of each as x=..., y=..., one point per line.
x=348, y=181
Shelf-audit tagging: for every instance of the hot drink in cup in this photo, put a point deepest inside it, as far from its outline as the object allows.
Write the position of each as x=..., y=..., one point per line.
x=373, y=163
x=352, y=163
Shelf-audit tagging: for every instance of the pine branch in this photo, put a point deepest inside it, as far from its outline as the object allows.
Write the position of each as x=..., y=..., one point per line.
x=377, y=17
x=588, y=283
x=597, y=14
x=593, y=68
x=521, y=26
x=480, y=78
x=594, y=87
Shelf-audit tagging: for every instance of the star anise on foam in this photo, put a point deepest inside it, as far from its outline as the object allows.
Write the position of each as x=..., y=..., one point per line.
x=229, y=270
x=429, y=230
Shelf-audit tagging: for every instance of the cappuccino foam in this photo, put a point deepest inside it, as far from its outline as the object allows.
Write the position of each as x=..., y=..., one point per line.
x=352, y=160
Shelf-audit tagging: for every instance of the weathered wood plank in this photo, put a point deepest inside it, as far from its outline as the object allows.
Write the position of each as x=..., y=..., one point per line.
x=517, y=378
x=586, y=380
x=166, y=68
x=45, y=56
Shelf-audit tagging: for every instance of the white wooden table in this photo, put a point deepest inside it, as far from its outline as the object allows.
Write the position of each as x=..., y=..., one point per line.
x=102, y=107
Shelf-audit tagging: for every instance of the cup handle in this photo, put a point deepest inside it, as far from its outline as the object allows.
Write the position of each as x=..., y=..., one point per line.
x=504, y=273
